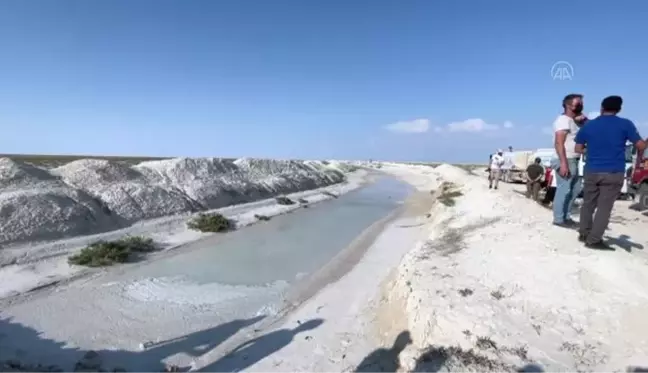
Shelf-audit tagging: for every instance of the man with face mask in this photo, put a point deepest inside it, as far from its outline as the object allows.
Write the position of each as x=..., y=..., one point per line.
x=568, y=185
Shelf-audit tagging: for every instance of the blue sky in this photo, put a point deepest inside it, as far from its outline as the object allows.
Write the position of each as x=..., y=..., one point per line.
x=402, y=80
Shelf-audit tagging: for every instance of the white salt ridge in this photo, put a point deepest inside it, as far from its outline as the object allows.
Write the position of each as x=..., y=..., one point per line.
x=92, y=196
x=451, y=173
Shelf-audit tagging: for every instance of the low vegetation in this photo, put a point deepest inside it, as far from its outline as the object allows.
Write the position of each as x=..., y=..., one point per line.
x=106, y=253
x=485, y=343
x=284, y=201
x=454, y=358
x=448, y=192
x=448, y=199
x=497, y=294
x=213, y=223
x=466, y=292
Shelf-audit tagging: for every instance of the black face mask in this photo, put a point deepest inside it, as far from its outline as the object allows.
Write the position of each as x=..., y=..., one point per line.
x=578, y=109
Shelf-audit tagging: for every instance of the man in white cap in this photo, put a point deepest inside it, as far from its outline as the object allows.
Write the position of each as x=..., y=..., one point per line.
x=495, y=169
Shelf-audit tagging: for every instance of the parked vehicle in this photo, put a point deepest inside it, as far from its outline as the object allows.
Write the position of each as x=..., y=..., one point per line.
x=545, y=154
x=520, y=160
x=638, y=184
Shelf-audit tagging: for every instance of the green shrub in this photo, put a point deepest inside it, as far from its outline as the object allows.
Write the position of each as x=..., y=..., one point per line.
x=284, y=201
x=261, y=217
x=448, y=193
x=211, y=223
x=138, y=243
x=106, y=253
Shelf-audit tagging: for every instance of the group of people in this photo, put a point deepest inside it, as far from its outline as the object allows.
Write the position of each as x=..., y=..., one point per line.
x=604, y=138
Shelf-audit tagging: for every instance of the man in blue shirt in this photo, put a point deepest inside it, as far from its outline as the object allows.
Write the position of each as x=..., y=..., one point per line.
x=605, y=138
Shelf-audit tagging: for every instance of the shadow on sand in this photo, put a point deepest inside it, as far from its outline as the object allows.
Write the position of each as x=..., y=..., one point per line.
x=26, y=345
x=255, y=350
x=623, y=241
x=385, y=359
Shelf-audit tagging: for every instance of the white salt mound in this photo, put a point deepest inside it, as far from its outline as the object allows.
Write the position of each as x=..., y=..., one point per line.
x=50, y=213
x=17, y=175
x=451, y=173
x=90, y=196
x=124, y=190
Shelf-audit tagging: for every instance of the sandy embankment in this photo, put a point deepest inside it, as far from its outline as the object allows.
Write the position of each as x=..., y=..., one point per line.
x=46, y=214
x=485, y=285
x=495, y=287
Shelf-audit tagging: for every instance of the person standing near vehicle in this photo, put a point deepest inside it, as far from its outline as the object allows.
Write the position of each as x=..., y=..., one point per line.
x=495, y=169
x=605, y=138
x=535, y=172
x=568, y=184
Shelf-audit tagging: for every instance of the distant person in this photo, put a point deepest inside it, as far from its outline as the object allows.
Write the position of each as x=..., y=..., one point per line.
x=497, y=160
x=568, y=184
x=605, y=138
x=535, y=172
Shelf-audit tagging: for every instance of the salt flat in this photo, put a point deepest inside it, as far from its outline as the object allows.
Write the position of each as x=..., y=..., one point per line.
x=484, y=284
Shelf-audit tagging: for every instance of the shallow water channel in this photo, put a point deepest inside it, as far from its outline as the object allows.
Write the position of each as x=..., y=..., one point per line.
x=233, y=277
x=287, y=246
x=252, y=269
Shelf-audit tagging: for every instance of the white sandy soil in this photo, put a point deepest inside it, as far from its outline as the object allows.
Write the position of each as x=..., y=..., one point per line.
x=495, y=276
x=485, y=285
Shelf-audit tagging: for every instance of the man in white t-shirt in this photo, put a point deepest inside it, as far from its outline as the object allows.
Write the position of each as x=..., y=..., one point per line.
x=497, y=161
x=568, y=183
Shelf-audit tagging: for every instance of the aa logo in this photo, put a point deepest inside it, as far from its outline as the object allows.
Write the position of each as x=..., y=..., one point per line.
x=562, y=70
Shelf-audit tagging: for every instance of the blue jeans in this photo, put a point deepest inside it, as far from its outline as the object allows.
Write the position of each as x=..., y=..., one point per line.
x=567, y=189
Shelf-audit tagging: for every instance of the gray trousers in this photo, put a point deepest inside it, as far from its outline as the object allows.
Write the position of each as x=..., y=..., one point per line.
x=600, y=190
x=494, y=178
